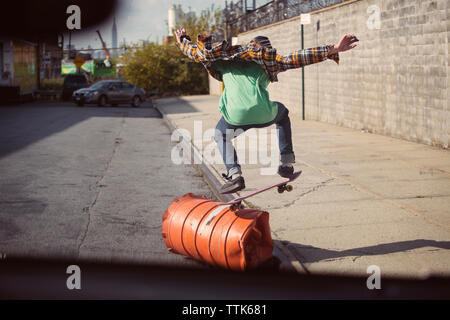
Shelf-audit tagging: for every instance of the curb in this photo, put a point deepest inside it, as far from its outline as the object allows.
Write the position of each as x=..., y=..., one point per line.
x=287, y=259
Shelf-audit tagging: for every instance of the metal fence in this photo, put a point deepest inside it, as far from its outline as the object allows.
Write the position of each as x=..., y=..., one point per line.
x=245, y=15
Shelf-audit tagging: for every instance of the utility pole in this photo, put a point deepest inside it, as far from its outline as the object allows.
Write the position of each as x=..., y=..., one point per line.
x=226, y=21
x=304, y=19
x=70, y=42
x=303, y=78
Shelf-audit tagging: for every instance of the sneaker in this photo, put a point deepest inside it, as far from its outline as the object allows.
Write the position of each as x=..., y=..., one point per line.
x=233, y=185
x=286, y=171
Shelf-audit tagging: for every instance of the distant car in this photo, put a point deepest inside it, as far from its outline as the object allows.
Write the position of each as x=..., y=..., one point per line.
x=110, y=92
x=71, y=83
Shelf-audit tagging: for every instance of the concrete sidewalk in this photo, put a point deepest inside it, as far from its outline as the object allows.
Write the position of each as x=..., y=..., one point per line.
x=362, y=200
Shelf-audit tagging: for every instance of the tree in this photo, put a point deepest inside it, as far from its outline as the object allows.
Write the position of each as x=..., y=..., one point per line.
x=164, y=67
x=209, y=21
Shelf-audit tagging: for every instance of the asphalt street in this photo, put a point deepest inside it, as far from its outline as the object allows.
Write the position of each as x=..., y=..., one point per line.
x=90, y=182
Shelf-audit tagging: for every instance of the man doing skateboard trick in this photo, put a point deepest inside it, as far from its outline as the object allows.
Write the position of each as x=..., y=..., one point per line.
x=246, y=71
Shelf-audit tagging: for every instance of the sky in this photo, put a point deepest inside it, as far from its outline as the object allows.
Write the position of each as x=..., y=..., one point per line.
x=137, y=20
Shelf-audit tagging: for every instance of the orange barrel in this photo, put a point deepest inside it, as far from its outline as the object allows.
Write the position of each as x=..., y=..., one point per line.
x=212, y=232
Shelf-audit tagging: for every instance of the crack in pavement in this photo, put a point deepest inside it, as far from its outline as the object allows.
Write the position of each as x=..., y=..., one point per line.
x=313, y=189
x=98, y=186
x=368, y=190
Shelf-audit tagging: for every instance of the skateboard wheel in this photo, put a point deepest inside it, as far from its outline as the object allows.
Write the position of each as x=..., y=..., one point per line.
x=280, y=189
x=289, y=188
x=237, y=206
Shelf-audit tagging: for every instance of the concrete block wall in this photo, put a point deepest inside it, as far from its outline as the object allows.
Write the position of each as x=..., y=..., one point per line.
x=394, y=83
x=214, y=86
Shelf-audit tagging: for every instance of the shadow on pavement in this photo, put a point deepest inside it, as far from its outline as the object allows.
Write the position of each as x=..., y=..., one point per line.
x=176, y=105
x=314, y=254
x=22, y=125
x=47, y=279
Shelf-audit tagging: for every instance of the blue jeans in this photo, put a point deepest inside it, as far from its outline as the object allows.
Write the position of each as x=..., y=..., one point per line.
x=226, y=148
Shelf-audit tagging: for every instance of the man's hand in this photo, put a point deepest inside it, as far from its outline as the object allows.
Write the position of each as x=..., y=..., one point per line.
x=179, y=33
x=346, y=43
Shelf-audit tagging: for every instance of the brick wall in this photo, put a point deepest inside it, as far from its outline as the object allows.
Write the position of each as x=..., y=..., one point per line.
x=394, y=83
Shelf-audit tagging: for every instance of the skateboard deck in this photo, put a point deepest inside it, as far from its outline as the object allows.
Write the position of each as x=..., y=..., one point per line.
x=282, y=186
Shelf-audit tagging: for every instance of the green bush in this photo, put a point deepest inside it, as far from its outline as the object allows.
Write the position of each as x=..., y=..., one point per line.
x=165, y=68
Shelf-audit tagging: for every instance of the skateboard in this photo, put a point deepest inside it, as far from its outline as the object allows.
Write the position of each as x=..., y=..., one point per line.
x=281, y=186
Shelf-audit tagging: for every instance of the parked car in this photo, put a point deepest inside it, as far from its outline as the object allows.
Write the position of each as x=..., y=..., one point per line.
x=73, y=82
x=110, y=92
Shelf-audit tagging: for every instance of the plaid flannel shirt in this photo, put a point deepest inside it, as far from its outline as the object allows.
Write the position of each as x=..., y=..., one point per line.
x=272, y=63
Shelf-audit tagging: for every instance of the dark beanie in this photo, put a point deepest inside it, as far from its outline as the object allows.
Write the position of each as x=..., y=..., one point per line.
x=263, y=41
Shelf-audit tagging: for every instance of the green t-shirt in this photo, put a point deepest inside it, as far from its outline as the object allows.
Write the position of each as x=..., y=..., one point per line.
x=245, y=100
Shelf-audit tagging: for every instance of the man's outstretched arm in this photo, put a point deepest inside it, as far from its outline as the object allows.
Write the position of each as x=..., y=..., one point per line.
x=301, y=58
x=188, y=48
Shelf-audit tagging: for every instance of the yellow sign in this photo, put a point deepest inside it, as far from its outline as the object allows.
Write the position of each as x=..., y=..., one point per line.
x=79, y=61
